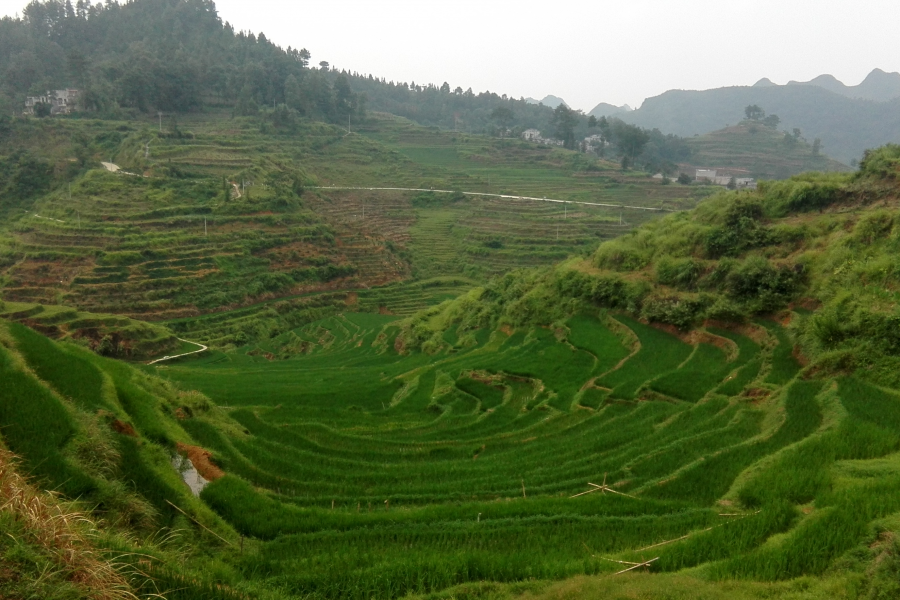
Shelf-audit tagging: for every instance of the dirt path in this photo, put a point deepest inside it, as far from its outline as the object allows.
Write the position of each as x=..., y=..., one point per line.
x=504, y=196
x=202, y=349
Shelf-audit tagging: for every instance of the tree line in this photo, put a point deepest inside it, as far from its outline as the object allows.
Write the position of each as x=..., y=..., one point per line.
x=145, y=56
x=157, y=55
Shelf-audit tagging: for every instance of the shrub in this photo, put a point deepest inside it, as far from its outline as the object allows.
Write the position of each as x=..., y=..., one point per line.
x=795, y=195
x=680, y=311
x=872, y=227
x=619, y=256
x=882, y=162
x=24, y=176
x=741, y=231
x=611, y=292
x=680, y=273
x=761, y=286
x=726, y=310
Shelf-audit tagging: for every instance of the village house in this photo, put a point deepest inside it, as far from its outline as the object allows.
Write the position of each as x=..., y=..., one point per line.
x=534, y=135
x=714, y=177
x=593, y=141
x=707, y=174
x=62, y=102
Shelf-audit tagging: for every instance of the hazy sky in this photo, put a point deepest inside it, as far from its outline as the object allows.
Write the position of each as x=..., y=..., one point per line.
x=583, y=51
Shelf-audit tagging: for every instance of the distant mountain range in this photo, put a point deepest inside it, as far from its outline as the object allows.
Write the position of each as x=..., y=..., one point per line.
x=848, y=119
x=609, y=110
x=878, y=86
x=551, y=101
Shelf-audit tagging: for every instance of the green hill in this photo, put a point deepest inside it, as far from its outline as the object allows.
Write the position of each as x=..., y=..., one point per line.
x=755, y=150
x=722, y=383
x=219, y=214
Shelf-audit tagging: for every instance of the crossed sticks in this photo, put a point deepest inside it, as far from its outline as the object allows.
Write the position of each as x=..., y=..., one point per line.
x=602, y=489
x=631, y=565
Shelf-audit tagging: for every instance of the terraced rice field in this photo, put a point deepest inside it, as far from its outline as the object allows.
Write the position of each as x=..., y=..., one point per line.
x=158, y=259
x=513, y=166
x=209, y=230
x=366, y=472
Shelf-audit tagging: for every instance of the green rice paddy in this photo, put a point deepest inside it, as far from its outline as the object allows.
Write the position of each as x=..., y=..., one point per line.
x=369, y=473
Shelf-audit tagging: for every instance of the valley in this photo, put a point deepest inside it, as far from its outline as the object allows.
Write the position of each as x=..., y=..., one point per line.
x=277, y=331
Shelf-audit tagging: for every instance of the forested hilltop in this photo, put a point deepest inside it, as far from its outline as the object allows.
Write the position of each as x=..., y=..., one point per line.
x=179, y=56
x=167, y=55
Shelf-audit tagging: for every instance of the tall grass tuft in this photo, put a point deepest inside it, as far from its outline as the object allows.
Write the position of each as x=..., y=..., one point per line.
x=64, y=536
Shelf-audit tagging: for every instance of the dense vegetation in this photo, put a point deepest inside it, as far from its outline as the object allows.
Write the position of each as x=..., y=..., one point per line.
x=178, y=56
x=168, y=55
x=821, y=242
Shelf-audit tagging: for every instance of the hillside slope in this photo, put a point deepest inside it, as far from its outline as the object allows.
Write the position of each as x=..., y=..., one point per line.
x=217, y=213
x=105, y=439
x=821, y=243
x=751, y=149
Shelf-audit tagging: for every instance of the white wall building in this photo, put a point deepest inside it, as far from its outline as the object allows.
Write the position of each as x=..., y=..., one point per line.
x=62, y=102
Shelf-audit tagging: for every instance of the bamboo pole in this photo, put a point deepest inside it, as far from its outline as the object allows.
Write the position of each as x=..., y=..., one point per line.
x=643, y=564
x=199, y=523
x=603, y=489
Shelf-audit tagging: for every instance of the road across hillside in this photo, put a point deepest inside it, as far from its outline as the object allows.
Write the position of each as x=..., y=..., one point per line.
x=504, y=196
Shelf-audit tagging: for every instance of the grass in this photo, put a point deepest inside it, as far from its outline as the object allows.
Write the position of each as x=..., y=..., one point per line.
x=36, y=426
x=659, y=352
x=342, y=457
x=115, y=336
x=784, y=365
x=69, y=375
x=591, y=335
x=434, y=452
x=704, y=370
x=356, y=468
x=364, y=460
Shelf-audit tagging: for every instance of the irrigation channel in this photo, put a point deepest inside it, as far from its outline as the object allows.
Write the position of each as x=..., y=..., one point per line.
x=504, y=196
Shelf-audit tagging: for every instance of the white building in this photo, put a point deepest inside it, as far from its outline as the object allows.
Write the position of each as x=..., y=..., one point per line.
x=714, y=177
x=534, y=135
x=593, y=141
x=62, y=102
